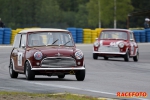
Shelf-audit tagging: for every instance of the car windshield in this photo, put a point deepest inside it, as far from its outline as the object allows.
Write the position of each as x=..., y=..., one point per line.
x=113, y=35
x=50, y=38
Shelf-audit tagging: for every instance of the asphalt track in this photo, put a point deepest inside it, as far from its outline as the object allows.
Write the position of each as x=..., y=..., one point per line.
x=104, y=78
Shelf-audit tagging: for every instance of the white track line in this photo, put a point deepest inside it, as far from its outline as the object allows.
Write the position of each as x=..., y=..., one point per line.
x=75, y=88
x=3, y=46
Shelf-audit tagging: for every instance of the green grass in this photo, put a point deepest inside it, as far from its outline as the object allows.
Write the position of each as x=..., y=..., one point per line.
x=4, y=95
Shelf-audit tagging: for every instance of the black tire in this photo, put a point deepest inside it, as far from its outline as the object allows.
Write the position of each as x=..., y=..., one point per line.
x=106, y=58
x=80, y=75
x=126, y=56
x=95, y=56
x=30, y=75
x=61, y=76
x=136, y=58
x=12, y=73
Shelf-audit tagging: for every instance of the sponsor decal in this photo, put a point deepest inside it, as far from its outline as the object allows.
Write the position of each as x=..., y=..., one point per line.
x=132, y=94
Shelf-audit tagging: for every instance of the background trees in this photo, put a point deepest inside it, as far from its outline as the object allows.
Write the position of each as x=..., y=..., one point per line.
x=106, y=10
x=70, y=13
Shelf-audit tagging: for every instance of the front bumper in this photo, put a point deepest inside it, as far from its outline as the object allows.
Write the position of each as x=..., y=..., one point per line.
x=117, y=53
x=71, y=68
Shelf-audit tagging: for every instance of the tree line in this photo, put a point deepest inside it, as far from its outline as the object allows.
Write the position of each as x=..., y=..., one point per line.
x=71, y=13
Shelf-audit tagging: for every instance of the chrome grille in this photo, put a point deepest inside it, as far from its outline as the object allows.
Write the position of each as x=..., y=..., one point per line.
x=57, y=62
x=109, y=49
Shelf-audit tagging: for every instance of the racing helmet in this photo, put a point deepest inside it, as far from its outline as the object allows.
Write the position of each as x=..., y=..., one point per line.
x=147, y=19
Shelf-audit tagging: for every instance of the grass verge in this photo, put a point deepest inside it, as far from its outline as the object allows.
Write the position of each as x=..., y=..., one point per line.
x=5, y=95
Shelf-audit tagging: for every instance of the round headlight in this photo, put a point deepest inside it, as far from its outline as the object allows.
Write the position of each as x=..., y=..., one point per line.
x=96, y=44
x=79, y=54
x=38, y=55
x=121, y=45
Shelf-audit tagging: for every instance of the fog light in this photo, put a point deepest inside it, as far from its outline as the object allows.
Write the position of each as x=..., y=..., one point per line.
x=79, y=63
x=38, y=63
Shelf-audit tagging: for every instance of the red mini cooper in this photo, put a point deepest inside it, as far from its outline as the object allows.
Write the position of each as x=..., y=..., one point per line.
x=116, y=43
x=44, y=51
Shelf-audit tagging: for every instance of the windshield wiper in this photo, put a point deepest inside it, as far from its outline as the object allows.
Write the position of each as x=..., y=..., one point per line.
x=55, y=41
x=66, y=42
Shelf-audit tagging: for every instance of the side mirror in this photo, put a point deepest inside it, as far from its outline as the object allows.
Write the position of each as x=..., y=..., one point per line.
x=23, y=45
x=131, y=39
x=96, y=38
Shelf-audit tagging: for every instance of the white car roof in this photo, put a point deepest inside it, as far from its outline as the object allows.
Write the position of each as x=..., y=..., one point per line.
x=118, y=29
x=41, y=29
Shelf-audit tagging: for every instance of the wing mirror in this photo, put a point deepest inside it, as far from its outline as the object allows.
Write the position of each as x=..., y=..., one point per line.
x=23, y=45
x=131, y=39
x=96, y=38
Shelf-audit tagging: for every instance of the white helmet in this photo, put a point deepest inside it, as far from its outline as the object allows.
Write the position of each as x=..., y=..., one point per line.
x=147, y=19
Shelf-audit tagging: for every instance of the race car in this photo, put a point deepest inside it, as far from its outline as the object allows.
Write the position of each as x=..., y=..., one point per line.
x=116, y=43
x=46, y=51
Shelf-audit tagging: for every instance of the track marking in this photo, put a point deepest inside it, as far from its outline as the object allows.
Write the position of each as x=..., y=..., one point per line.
x=75, y=88
x=4, y=46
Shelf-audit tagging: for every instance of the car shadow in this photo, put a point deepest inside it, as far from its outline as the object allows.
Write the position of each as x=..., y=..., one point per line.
x=46, y=79
x=110, y=59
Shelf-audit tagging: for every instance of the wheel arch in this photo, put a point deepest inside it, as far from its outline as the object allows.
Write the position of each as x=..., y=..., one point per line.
x=27, y=60
x=13, y=63
x=137, y=51
x=127, y=49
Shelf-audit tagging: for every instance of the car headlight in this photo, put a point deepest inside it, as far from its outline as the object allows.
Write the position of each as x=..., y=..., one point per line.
x=38, y=55
x=121, y=45
x=79, y=54
x=96, y=44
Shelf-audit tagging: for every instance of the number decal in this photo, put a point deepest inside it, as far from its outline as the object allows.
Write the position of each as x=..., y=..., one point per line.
x=113, y=44
x=19, y=58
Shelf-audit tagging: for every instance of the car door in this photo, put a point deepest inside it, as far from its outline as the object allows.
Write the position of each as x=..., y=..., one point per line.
x=14, y=55
x=132, y=44
x=21, y=53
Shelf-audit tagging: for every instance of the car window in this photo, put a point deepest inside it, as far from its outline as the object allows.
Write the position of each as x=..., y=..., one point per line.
x=17, y=41
x=23, y=39
x=113, y=35
x=60, y=39
x=50, y=38
x=131, y=36
x=35, y=39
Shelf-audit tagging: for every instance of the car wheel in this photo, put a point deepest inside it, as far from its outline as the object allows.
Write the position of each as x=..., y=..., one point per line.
x=12, y=73
x=136, y=58
x=80, y=75
x=126, y=56
x=61, y=76
x=30, y=75
x=95, y=56
x=106, y=58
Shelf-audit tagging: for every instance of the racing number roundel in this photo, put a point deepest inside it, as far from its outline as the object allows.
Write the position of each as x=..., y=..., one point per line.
x=19, y=58
x=113, y=44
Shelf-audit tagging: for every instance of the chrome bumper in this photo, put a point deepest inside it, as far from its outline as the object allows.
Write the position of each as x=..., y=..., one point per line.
x=121, y=53
x=73, y=68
